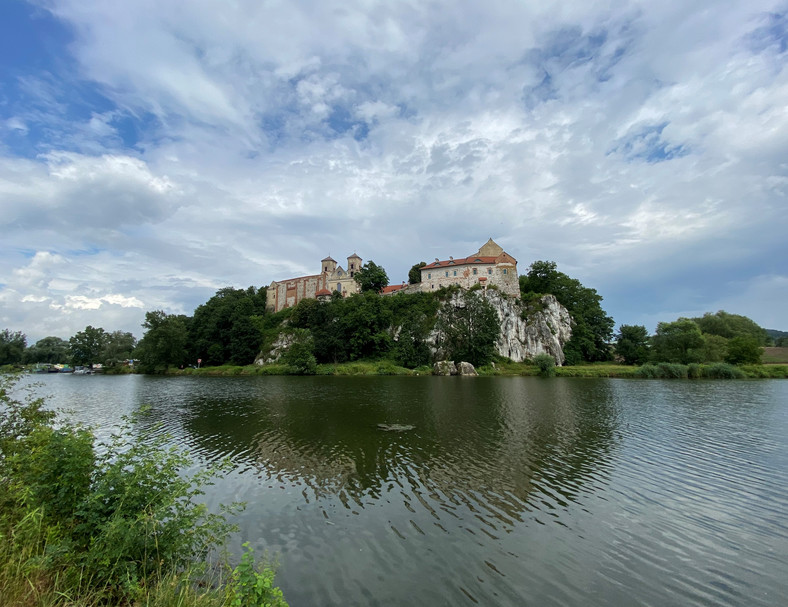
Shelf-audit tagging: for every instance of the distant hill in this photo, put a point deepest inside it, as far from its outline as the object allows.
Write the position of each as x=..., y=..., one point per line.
x=775, y=334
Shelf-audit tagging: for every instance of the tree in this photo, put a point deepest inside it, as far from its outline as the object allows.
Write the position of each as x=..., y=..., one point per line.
x=592, y=329
x=164, y=342
x=47, y=350
x=223, y=329
x=632, y=344
x=468, y=327
x=414, y=274
x=12, y=347
x=715, y=348
x=731, y=325
x=86, y=346
x=371, y=277
x=118, y=347
x=677, y=342
x=744, y=350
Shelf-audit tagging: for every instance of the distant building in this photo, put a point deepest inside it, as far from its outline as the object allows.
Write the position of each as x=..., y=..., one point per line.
x=287, y=293
x=490, y=265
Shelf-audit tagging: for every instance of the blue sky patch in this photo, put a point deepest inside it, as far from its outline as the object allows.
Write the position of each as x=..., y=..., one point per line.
x=647, y=144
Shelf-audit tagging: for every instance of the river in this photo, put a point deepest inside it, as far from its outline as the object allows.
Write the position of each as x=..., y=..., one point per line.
x=505, y=491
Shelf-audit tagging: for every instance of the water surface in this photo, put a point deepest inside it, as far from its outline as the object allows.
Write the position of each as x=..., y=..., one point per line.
x=507, y=491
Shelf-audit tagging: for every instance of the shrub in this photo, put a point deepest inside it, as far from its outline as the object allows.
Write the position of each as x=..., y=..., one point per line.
x=545, y=364
x=694, y=371
x=673, y=370
x=253, y=585
x=723, y=371
x=111, y=522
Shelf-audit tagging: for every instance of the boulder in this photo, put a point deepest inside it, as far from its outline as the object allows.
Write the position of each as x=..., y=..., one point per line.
x=444, y=367
x=466, y=369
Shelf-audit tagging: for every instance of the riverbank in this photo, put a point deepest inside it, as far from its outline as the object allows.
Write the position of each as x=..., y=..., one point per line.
x=511, y=369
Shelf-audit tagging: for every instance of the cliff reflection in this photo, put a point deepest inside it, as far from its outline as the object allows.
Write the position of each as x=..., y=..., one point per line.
x=500, y=447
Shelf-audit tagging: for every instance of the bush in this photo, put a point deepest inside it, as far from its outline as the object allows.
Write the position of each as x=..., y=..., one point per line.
x=694, y=371
x=663, y=371
x=723, y=371
x=111, y=526
x=545, y=364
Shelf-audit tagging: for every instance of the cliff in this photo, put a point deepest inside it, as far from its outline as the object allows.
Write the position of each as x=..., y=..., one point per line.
x=542, y=326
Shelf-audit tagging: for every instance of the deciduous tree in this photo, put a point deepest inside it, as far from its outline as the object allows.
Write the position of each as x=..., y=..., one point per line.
x=371, y=277
x=632, y=344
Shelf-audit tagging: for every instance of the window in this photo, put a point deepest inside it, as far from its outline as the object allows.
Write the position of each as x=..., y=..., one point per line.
x=447, y=274
x=429, y=274
x=489, y=270
x=352, y=266
x=474, y=271
x=339, y=287
x=455, y=272
x=504, y=270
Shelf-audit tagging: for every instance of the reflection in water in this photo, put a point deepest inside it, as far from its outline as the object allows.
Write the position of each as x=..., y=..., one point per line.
x=486, y=445
x=507, y=491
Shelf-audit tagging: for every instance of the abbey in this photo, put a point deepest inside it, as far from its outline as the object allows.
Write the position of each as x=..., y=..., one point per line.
x=286, y=293
x=490, y=265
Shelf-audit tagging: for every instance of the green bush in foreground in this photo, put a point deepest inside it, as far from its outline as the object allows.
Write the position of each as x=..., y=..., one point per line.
x=108, y=523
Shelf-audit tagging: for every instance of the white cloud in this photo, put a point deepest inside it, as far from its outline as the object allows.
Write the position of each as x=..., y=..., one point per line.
x=241, y=142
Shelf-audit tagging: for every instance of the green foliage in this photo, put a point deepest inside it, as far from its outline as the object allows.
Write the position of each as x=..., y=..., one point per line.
x=632, y=344
x=728, y=326
x=468, y=328
x=49, y=350
x=663, y=370
x=744, y=350
x=111, y=522
x=85, y=347
x=164, y=343
x=414, y=274
x=12, y=347
x=545, y=364
x=300, y=355
x=592, y=329
x=118, y=346
x=371, y=277
x=677, y=342
x=253, y=585
x=715, y=348
x=723, y=371
x=226, y=328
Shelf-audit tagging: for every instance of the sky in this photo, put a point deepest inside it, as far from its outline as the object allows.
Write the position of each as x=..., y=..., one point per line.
x=155, y=151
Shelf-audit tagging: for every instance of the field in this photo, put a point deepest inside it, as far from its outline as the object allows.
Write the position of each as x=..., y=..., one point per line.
x=775, y=355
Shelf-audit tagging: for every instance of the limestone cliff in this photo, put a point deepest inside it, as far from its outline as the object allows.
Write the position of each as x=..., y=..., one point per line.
x=542, y=326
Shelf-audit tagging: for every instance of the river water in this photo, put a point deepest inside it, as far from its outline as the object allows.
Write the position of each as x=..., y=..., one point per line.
x=505, y=491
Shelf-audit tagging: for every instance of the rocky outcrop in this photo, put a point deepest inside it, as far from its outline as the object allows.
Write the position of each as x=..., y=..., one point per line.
x=528, y=329
x=283, y=341
x=541, y=327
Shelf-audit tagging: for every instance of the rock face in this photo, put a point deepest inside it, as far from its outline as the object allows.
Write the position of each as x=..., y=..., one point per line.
x=545, y=330
x=542, y=327
x=283, y=341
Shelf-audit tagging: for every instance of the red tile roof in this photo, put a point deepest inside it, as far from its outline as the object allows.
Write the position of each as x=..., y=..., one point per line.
x=460, y=261
x=391, y=289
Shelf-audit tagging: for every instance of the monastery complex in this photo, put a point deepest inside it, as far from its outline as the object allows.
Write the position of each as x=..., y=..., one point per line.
x=490, y=265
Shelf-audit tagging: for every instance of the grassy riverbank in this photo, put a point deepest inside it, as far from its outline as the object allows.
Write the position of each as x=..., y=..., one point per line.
x=86, y=524
x=511, y=369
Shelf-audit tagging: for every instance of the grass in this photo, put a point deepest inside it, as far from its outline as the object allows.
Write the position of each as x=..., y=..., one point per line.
x=507, y=368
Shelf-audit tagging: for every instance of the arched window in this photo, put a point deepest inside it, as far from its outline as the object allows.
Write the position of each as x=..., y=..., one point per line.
x=339, y=287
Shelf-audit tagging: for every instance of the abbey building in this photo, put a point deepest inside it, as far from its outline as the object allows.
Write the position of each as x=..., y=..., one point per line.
x=489, y=266
x=287, y=293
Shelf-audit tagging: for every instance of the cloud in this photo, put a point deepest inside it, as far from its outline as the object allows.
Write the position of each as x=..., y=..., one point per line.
x=165, y=153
